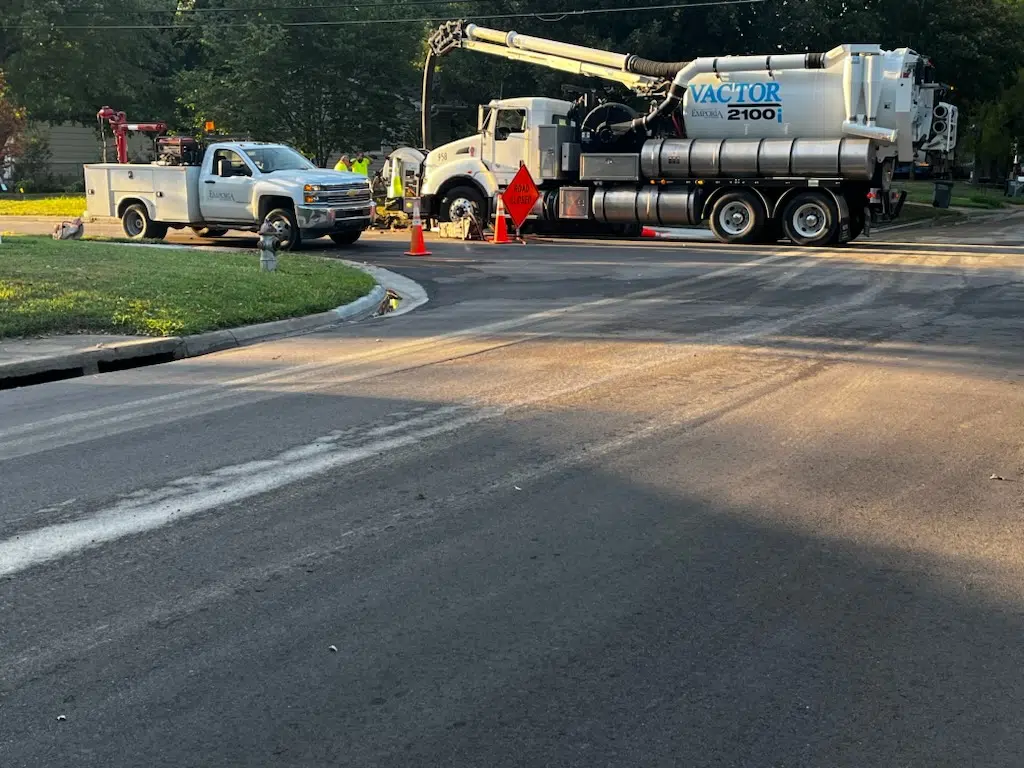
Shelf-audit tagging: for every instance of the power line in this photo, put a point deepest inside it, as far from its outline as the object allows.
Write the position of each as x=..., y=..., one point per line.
x=269, y=8
x=559, y=15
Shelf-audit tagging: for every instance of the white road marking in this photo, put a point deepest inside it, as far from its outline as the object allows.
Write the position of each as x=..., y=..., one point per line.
x=82, y=425
x=186, y=497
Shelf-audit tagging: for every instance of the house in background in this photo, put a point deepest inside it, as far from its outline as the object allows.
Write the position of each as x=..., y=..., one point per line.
x=71, y=145
x=66, y=148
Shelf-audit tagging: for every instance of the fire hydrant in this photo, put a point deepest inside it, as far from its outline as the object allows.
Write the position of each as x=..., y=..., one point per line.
x=268, y=247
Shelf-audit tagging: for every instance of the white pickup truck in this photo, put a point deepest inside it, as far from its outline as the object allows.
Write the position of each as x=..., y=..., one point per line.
x=232, y=185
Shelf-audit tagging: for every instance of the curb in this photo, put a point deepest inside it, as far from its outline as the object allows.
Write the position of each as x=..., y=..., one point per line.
x=131, y=354
x=51, y=219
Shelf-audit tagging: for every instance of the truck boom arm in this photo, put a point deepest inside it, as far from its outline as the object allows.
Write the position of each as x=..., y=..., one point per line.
x=575, y=59
x=644, y=77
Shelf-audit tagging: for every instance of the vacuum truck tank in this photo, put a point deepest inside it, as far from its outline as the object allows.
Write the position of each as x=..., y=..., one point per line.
x=801, y=145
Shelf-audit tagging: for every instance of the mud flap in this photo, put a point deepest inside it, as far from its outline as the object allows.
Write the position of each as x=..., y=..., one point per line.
x=898, y=205
x=844, y=219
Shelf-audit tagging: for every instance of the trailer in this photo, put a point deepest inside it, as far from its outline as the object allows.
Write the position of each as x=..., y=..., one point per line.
x=801, y=146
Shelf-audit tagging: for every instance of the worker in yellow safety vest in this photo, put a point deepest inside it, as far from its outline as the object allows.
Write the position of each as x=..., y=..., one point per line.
x=342, y=165
x=361, y=165
x=395, y=190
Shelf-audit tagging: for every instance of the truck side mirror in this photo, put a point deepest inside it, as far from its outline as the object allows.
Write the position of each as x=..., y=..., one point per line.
x=224, y=168
x=480, y=118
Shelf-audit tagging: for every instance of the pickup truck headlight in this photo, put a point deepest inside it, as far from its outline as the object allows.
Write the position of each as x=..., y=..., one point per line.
x=310, y=193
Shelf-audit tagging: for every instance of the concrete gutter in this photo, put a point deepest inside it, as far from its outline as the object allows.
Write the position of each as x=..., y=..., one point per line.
x=136, y=353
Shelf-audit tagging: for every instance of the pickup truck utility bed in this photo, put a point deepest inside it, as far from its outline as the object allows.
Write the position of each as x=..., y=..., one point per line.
x=235, y=185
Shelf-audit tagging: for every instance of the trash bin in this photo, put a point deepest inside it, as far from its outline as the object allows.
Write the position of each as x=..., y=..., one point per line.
x=943, y=194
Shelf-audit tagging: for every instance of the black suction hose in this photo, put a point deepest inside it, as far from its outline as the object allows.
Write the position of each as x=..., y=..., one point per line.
x=665, y=69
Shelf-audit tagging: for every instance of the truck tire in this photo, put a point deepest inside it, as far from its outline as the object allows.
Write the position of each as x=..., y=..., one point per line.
x=345, y=238
x=283, y=220
x=210, y=232
x=136, y=224
x=738, y=217
x=811, y=219
x=459, y=201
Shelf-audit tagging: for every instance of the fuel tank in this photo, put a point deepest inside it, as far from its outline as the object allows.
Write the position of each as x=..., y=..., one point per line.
x=647, y=205
x=847, y=158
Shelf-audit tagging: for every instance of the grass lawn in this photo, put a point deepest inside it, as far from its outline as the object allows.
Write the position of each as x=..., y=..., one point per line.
x=964, y=195
x=69, y=206
x=921, y=212
x=53, y=287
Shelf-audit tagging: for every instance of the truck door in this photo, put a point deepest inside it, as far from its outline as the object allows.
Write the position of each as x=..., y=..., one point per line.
x=227, y=188
x=510, y=142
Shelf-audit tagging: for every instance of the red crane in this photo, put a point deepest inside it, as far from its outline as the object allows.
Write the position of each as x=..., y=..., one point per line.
x=120, y=127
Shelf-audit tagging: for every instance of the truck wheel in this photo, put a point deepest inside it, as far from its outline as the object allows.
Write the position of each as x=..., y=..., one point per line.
x=345, y=238
x=811, y=219
x=136, y=224
x=283, y=221
x=460, y=202
x=738, y=217
x=209, y=232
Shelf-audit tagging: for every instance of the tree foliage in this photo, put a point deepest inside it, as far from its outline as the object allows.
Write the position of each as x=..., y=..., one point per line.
x=67, y=74
x=328, y=86
x=321, y=88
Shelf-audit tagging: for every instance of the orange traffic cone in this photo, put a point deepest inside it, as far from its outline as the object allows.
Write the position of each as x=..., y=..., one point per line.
x=500, y=225
x=417, y=247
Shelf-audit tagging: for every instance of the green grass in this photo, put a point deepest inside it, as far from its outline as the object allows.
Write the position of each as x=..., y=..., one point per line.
x=964, y=195
x=65, y=287
x=67, y=205
x=911, y=213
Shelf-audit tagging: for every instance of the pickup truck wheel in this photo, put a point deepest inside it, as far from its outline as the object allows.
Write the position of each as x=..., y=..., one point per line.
x=461, y=202
x=345, y=238
x=137, y=225
x=209, y=232
x=283, y=221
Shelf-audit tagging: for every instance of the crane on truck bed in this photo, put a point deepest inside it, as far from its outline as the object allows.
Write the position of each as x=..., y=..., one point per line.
x=797, y=145
x=120, y=127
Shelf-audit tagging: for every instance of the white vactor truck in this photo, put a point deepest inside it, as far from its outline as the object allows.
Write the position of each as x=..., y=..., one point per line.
x=801, y=146
x=230, y=185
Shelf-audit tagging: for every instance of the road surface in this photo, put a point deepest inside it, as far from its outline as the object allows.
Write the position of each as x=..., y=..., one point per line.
x=596, y=504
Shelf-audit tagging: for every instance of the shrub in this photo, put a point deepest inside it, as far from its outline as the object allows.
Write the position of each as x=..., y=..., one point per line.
x=32, y=167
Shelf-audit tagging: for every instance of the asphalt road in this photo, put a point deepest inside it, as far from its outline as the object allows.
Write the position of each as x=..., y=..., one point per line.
x=598, y=504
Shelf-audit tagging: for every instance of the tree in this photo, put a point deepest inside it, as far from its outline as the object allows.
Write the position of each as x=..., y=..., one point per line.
x=67, y=74
x=322, y=88
x=12, y=126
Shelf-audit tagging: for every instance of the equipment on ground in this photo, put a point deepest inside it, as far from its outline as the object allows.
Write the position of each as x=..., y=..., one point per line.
x=796, y=145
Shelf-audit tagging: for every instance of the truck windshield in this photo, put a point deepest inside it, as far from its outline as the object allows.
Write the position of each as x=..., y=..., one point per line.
x=270, y=159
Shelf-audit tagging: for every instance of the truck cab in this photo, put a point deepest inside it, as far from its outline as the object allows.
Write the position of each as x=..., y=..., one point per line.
x=235, y=185
x=468, y=173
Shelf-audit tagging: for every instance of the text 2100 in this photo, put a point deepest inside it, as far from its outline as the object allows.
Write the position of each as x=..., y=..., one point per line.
x=755, y=113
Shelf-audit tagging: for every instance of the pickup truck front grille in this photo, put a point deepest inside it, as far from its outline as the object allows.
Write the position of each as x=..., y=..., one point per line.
x=341, y=194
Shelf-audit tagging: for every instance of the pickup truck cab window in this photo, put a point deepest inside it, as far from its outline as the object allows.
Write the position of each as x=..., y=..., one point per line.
x=271, y=159
x=237, y=164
